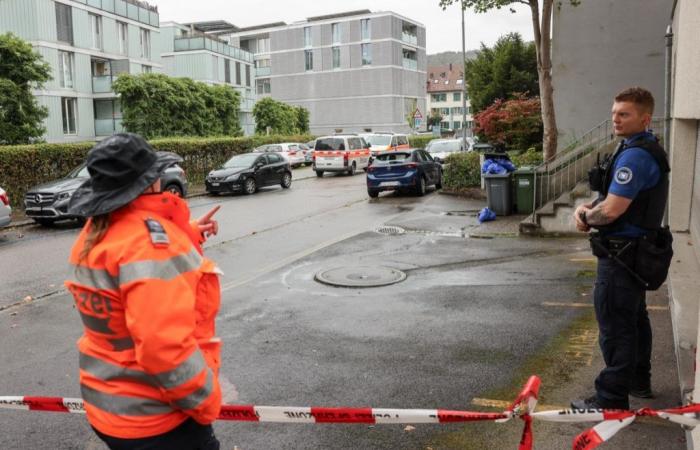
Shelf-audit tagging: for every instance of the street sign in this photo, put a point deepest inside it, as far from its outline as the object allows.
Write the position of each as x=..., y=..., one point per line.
x=417, y=121
x=417, y=114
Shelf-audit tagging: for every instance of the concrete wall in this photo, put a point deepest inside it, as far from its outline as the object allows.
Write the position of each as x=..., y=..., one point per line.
x=599, y=48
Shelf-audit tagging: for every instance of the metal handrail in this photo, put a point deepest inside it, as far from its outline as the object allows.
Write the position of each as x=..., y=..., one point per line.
x=570, y=166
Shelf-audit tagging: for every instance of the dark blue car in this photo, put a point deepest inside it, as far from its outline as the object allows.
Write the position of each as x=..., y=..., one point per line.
x=411, y=170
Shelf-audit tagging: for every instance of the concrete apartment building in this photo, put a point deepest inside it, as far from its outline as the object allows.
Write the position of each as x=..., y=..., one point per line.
x=445, y=87
x=87, y=43
x=355, y=71
x=185, y=51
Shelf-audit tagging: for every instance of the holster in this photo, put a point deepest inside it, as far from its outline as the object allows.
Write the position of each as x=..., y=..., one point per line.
x=596, y=178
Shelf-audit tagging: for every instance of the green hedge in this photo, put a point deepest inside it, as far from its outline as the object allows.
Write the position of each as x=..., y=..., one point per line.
x=462, y=170
x=25, y=166
x=419, y=141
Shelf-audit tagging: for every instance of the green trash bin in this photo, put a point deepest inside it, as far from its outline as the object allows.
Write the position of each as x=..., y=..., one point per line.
x=524, y=185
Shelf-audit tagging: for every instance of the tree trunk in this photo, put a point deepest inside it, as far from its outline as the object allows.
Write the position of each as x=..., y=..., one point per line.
x=543, y=47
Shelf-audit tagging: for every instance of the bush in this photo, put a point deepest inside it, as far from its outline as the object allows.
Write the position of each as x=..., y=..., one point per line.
x=419, y=141
x=516, y=123
x=462, y=170
x=24, y=166
x=532, y=157
x=280, y=117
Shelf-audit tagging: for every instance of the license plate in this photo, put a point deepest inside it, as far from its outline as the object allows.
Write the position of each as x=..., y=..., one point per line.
x=215, y=184
x=389, y=183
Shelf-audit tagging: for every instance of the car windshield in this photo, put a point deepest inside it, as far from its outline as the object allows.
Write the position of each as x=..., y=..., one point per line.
x=330, y=144
x=79, y=172
x=444, y=147
x=245, y=160
x=378, y=139
x=269, y=148
x=395, y=156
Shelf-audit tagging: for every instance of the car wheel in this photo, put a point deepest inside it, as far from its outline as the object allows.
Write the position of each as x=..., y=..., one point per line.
x=286, y=180
x=174, y=189
x=420, y=188
x=438, y=185
x=352, y=169
x=319, y=173
x=249, y=186
x=44, y=222
x=372, y=193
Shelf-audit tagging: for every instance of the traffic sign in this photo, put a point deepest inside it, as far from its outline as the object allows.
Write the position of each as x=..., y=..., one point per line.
x=417, y=114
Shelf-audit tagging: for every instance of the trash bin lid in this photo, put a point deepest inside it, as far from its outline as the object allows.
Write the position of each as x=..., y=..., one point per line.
x=525, y=170
x=495, y=175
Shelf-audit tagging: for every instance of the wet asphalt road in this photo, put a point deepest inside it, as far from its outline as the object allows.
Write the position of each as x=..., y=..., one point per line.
x=468, y=314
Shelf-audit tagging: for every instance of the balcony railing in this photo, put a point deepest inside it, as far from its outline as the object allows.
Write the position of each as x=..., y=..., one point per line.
x=409, y=38
x=189, y=43
x=262, y=71
x=102, y=84
x=410, y=64
x=133, y=9
x=107, y=127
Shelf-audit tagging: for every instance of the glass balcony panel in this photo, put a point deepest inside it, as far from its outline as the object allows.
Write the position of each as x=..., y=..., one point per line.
x=410, y=64
x=262, y=71
x=101, y=85
x=95, y=3
x=106, y=127
x=409, y=38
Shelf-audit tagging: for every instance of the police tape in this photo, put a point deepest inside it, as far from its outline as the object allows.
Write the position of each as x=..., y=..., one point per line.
x=523, y=407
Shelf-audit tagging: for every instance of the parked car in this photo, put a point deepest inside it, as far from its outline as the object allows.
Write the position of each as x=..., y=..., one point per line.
x=440, y=149
x=340, y=153
x=411, y=170
x=311, y=144
x=384, y=142
x=309, y=156
x=293, y=152
x=248, y=172
x=5, y=209
x=48, y=202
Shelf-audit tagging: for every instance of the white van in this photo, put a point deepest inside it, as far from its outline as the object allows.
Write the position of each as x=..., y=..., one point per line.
x=340, y=153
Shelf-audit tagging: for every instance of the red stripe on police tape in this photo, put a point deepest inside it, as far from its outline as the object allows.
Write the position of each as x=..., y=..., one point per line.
x=610, y=421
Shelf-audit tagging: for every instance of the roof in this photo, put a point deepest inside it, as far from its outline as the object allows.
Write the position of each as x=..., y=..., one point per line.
x=339, y=15
x=444, y=78
x=264, y=25
x=213, y=26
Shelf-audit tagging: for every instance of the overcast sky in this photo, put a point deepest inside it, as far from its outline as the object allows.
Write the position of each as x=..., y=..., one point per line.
x=443, y=28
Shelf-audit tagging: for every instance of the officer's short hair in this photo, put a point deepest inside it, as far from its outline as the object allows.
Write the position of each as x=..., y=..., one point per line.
x=639, y=96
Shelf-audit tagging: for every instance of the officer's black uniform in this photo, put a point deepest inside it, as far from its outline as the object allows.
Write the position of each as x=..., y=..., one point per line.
x=619, y=296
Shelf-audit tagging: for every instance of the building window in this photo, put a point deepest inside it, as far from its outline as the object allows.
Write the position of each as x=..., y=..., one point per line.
x=335, y=31
x=264, y=45
x=336, y=57
x=456, y=111
x=456, y=125
x=215, y=67
x=457, y=96
x=366, y=54
x=146, y=69
x=227, y=70
x=123, y=38
x=69, y=107
x=238, y=73
x=366, y=29
x=308, y=59
x=439, y=97
x=307, y=37
x=445, y=111
x=247, y=75
x=64, y=23
x=65, y=69
x=263, y=86
x=96, y=31
x=101, y=68
x=145, y=43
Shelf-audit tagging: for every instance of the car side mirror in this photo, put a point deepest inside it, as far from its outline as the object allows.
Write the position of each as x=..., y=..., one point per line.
x=258, y=165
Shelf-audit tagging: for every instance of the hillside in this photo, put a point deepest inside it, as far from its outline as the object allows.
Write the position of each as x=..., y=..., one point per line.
x=444, y=58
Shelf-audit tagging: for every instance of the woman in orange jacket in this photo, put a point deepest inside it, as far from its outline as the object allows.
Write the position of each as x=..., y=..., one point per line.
x=149, y=358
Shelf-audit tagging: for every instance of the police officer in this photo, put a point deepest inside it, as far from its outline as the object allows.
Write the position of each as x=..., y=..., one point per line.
x=632, y=199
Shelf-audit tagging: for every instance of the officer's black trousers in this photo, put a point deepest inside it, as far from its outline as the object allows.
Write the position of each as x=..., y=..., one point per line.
x=625, y=334
x=187, y=436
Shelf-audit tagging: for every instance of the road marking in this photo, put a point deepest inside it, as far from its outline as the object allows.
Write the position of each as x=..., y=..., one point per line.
x=590, y=305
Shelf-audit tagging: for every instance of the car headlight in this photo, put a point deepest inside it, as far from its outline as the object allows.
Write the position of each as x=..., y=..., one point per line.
x=233, y=177
x=64, y=195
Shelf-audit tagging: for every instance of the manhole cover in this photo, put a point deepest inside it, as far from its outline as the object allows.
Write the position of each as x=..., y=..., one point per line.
x=360, y=276
x=390, y=229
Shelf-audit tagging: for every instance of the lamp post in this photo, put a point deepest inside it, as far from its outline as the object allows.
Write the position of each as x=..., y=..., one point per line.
x=464, y=83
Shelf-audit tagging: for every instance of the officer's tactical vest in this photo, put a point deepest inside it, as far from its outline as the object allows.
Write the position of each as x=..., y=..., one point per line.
x=647, y=209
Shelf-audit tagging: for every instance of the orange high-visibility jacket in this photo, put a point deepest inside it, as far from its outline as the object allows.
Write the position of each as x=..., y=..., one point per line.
x=149, y=358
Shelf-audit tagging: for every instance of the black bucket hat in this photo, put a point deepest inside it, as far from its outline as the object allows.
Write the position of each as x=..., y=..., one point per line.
x=121, y=167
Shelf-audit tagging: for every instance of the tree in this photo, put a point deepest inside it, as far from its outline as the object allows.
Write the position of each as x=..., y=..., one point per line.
x=279, y=117
x=434, y=119
x=500, y=72
x=541, y=26
x=21, y=70
x=516, y=123
x=156, y=105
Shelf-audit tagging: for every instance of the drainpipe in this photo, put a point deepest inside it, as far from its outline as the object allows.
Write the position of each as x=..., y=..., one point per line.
x=667, y=101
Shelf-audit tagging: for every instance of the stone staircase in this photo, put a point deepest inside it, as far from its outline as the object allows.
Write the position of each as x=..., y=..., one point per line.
x=556, y=217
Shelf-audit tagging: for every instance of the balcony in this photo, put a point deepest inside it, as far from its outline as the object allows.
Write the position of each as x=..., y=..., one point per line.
x=410, y=64
x=262, y=72
x=190, y=43
x=409, y=38
x=107, y=127
x=102, y=85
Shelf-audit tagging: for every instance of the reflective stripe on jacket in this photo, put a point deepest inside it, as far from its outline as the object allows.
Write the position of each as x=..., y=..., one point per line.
x=149, y=358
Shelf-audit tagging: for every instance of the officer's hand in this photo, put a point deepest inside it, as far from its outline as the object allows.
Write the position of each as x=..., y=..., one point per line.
x=208, y=226
x=580, y=225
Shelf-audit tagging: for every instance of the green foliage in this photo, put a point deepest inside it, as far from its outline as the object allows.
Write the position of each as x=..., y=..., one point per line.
x=434, y=119
x=279, y=117
x=531, y=157
x=462, y=170
x=500, y=72
x=21, y=70
x=25, y=166
x=515, y=123
x=158, y=105
x=419, y=141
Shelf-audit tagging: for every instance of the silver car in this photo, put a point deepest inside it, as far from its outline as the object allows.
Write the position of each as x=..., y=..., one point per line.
x=5, y=209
